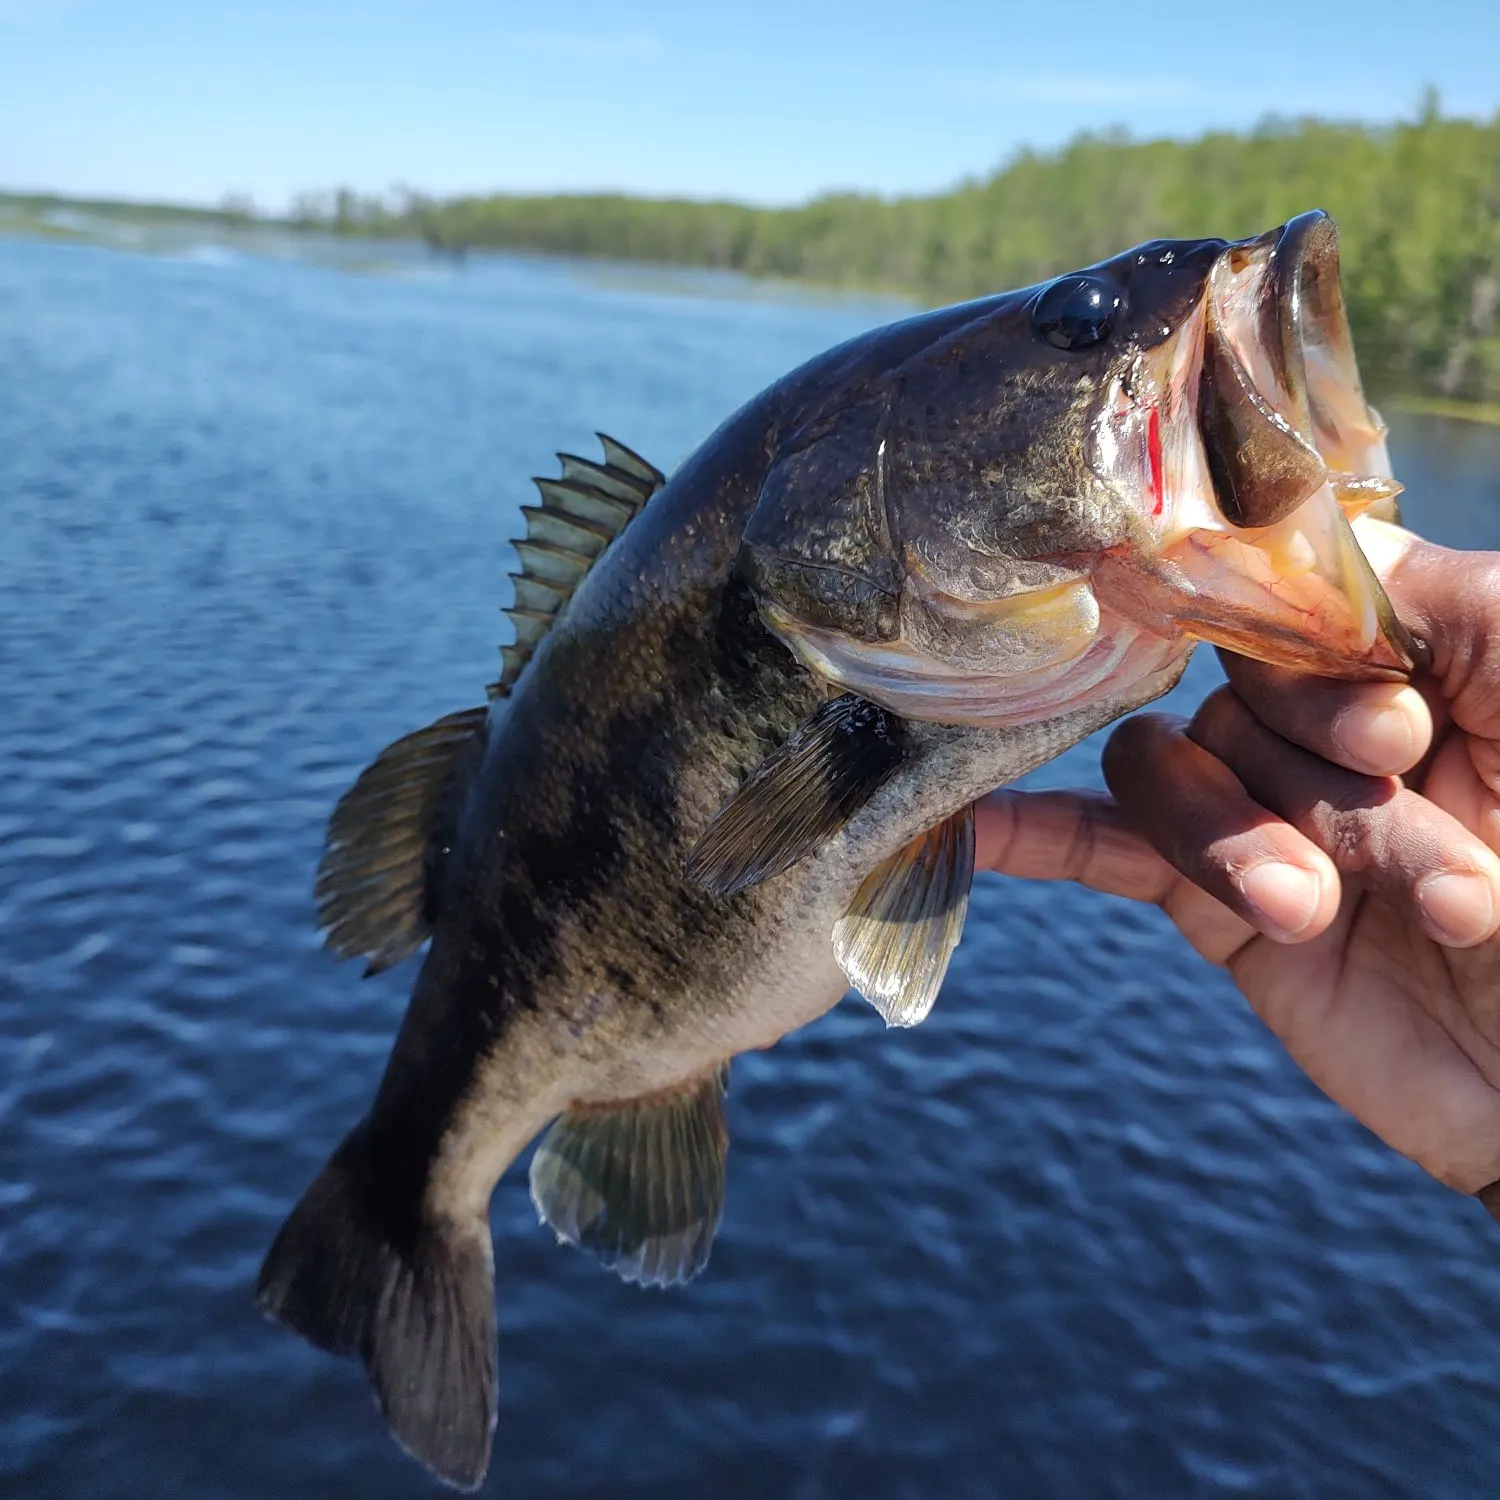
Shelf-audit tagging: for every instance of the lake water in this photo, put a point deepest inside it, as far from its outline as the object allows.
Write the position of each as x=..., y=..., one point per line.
x=1086, y=1233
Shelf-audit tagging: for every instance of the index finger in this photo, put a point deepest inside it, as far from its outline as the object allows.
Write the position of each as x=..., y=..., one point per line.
x=1375, y=728
x=1451, y=600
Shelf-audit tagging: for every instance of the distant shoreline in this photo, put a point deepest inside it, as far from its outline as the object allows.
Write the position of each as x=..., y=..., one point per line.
x=1487, y=412
x=15, y=203
x=1427, y=325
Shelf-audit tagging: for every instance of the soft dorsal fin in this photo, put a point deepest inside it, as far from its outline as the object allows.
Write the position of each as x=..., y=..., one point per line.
x=376, y=881
x=580, y=515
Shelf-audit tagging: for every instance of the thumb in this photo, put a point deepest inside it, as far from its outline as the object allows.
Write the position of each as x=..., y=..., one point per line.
x=1451, y=600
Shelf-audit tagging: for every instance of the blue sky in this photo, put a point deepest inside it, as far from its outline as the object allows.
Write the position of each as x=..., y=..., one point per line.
x=190, y=99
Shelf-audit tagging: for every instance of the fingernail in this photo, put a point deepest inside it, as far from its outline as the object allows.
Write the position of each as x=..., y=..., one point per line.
x=1459, y=909
x=1283, y=897
x=1378, y=740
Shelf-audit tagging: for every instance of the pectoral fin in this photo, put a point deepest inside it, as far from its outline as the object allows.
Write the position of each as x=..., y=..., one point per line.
x=800, y=795
x=639, y=1184
x=895, y=940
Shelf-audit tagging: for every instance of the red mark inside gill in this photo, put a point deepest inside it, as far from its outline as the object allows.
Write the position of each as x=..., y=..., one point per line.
x=1153, y=448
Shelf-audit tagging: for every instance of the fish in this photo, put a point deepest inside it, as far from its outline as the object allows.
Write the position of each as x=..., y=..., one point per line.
x=727, y=770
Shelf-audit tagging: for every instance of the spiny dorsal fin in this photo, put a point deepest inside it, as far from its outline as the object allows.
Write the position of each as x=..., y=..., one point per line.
x=639, y=1183
x=580, y=515
x=894, y=942
x=618, y=456
x=374, y=889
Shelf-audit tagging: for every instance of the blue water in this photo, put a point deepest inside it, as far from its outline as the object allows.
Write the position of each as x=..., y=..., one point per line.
x=1086, y=1233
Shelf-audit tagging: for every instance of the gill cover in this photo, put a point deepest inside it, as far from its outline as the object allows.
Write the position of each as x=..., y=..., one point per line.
x=911, y=537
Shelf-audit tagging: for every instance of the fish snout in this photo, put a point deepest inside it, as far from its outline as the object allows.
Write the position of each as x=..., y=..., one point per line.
x=1257, y=555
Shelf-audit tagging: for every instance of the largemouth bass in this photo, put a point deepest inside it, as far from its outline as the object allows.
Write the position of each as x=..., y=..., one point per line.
x=727, y=769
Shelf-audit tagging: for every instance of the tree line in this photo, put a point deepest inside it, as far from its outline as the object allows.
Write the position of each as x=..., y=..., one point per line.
x=1418, y=204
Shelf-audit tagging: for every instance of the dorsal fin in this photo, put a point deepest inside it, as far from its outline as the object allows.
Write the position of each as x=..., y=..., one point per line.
x=378, y=880
x=580, y=515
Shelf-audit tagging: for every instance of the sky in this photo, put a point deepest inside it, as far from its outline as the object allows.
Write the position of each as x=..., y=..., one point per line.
x=772, y=102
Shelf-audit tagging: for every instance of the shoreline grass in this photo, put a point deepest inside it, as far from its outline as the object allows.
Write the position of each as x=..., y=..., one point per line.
x=1487, y=412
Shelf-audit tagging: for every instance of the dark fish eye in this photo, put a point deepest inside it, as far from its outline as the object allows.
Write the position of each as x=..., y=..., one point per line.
x=1076, y=312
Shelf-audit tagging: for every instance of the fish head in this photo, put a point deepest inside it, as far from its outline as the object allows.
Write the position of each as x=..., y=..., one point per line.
x=1059, y=495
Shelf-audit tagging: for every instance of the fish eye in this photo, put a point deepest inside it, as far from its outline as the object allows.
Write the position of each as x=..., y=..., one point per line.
x=1076, y=312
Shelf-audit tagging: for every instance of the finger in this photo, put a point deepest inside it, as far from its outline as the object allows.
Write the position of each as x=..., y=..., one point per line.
x=1077, y=836
x=1382, y=729
x=1193, y=810
x=1464, y=779
x=1408, y=852
x=1084, y=837
x=1379, y=728
x=1450, y=600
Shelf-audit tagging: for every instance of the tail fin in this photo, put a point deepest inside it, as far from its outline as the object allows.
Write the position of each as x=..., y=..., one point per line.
x=414, y=1300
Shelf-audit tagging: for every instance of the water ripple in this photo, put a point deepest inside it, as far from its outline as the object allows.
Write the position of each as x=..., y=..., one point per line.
x=1084, y=1233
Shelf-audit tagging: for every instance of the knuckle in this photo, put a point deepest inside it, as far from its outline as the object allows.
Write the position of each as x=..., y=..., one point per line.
x=1484, y=591
x=1082, y=848
x=1221, y=721
x=1484, y=576
x=1355, y=825
x=1485, y=755
x=1137, y=740
x=1253, y=678
x=1455, y=598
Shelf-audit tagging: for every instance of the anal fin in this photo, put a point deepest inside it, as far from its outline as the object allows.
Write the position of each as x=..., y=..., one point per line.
x=895, y=940
x=639, y=1184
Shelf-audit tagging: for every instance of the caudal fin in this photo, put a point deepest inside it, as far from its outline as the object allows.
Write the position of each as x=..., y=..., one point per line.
x=414, y=1300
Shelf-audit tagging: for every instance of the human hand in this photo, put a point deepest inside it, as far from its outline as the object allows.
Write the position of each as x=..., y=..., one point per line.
x=1334, y=846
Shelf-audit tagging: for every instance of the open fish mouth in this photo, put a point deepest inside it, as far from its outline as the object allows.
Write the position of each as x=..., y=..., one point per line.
x=1254, y=495
x=1281, y=409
